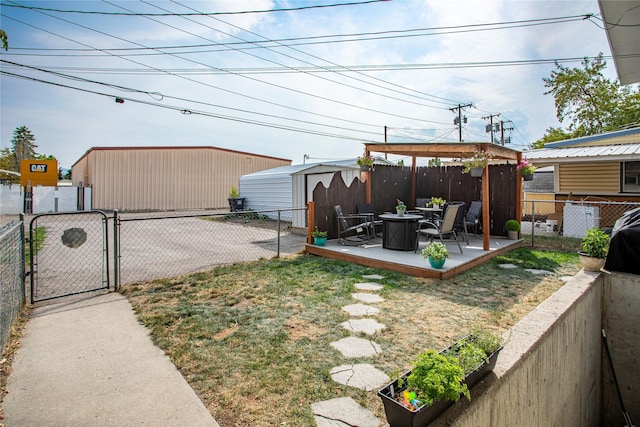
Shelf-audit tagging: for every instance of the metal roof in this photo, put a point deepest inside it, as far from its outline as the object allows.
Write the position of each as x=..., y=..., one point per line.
x=622, y=152
x=615, y=137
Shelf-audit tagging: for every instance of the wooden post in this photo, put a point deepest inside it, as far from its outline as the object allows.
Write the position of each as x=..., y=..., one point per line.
x=367, y=182
x=486, y=239
x=311, y=220
x=519, y=193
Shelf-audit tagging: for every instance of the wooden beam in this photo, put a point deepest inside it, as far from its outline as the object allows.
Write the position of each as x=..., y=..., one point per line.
x=486, y=239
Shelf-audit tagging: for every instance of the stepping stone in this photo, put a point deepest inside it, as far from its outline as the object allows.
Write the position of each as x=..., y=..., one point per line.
x=373, y=276
x=362, y=376
x=343, y=412
x=368, y=286
x=361, y=310
x=356, y=347
x=507, y=266
x=370, y=298
x=536, y=271
x=366, y=326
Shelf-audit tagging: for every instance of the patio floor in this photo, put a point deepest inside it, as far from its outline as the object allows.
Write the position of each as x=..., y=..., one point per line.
x=372, y=254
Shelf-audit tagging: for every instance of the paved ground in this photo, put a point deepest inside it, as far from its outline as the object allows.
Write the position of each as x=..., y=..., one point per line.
x=90, y=363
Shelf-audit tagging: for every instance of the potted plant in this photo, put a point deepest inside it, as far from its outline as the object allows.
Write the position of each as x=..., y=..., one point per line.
x=526, y=169
x=319, y=237
x=513, y=227
x=476, y=164
x=236, y=203
x=439, y=379
x=595, y=245
x=401, y=208
x=365, y=162
x=437, y=202
x=436, y=253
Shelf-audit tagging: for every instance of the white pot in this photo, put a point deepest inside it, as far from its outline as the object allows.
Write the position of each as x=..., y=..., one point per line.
x=513, y=235
x=590, y=263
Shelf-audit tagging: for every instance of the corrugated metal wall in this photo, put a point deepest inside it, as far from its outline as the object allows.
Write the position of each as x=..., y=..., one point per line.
x=589, y=178
x=170, y=178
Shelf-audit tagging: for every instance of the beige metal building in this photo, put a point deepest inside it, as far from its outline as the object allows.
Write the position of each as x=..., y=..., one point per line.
x=165, y=178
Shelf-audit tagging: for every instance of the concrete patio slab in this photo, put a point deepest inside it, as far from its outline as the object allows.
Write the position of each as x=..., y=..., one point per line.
x=362, y=376
x=365, y=326
x=343, y=412
x=356, y=347
x=361, y=310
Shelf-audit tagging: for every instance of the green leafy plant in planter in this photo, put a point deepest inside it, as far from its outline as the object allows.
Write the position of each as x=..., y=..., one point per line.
x=439, y=379
x=236, y=203
x=436, y=253
x=437, y=376
x=594, y=245
x=479, y=160
x=401, y=208
x=513, y=227
x=319, y=237
x=437, y=201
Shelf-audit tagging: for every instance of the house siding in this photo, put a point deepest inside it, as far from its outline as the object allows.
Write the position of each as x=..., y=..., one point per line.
x=589, y=178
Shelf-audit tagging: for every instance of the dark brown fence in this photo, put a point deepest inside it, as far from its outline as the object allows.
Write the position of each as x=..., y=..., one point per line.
x=389, y=183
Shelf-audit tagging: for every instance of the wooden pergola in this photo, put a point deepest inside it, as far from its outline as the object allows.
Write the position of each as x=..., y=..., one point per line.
x=454, y=150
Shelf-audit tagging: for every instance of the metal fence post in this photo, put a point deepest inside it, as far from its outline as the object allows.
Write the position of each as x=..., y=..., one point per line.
x=116, y=251
x=23, y=262
x=278, y=251
x=533, y=223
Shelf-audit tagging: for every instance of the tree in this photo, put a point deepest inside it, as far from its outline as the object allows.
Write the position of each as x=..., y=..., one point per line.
x=551, y=135
x=4, y=39
x=590, y=102
x=24, y=146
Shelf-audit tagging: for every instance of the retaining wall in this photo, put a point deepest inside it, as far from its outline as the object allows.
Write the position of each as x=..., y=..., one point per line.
x=549, y=372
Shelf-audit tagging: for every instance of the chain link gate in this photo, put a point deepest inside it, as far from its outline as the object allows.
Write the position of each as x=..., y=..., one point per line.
x=68, y=254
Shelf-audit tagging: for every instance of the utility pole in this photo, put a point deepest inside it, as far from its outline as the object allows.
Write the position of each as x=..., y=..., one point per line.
x=508, y=128
x=490, y=129
x=458, y=120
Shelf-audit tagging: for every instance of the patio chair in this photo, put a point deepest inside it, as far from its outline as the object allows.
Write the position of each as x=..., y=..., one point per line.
x=460, y=225
x=354, y=228
x=472, y=219
x=444, y=228
x=369, y=209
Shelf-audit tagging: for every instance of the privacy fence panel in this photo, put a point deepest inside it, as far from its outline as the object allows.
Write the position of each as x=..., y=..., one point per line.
x=12, y=270
x=152, y=247
x=389, y=183
x=338, y=193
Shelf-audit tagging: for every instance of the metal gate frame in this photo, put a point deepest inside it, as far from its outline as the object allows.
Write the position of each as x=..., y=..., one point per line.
x=33, y=256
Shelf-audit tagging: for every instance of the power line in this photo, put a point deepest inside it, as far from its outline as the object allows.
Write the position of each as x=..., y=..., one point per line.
x=90, y=12
x=188, y=111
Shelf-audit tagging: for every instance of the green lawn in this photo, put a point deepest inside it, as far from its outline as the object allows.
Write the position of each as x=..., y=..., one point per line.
x=253, y=339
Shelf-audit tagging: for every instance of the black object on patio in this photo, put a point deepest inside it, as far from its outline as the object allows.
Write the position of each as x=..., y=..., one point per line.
x=624, y=248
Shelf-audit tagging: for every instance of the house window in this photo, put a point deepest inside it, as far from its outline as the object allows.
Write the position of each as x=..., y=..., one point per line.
x=631, y=177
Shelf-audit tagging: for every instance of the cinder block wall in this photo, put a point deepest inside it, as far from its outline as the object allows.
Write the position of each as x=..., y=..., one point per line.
x=621, y=321
x=548, y=373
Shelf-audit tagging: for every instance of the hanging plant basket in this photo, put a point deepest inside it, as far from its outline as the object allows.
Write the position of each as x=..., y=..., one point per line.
x=528, y=177
x=365, y=168
x=476, y=172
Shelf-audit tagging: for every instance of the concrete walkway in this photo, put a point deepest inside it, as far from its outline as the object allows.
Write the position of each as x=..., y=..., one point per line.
x=90, y=363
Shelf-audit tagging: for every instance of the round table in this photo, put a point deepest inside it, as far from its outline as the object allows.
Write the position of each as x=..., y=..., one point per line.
x=399, y=232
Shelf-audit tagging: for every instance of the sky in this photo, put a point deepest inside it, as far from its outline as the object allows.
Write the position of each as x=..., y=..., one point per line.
x=306, y=84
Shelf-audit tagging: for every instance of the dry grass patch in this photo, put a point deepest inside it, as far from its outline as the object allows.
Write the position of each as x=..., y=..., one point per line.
x=253, y=339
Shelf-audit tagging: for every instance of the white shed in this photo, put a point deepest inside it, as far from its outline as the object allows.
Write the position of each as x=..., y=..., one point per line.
x=292, y=186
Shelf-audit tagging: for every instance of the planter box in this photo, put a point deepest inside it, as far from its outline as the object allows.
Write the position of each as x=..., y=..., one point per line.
x=400, y=416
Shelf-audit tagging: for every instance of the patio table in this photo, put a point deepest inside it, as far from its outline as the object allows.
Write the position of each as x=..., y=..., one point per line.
x=428, y=212
x=399, y=232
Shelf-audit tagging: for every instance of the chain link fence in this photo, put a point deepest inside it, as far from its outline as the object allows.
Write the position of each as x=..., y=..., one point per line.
x=570, y=219
x=156, y=246
x=12, y=271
